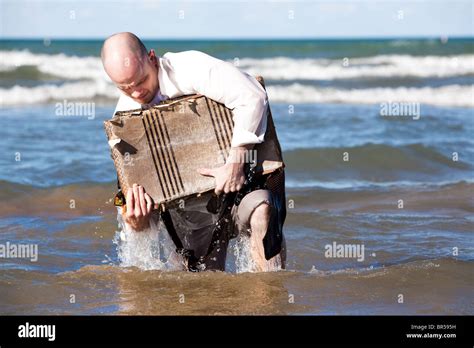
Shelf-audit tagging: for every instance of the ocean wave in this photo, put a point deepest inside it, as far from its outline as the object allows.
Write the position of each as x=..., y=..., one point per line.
x=61, y=65
x=399, y=268
x=276, y=68
x=95, y=199
x=452, y=95
x=382, y=66
x=84, y=78
x=374, y=163
x=369, y=185
x=18, y=95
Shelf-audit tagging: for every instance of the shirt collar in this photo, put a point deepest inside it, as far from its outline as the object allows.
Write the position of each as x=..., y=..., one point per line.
x=159, y=96
x=165, y=78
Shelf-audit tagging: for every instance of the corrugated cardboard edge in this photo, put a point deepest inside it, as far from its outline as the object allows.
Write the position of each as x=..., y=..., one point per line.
x=113, y=152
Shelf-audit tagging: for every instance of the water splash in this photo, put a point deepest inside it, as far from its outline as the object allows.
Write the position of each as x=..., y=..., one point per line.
x=151, y=249
x=241, y=250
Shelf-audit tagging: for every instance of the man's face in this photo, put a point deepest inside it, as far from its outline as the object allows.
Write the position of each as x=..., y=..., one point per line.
x=137, y=78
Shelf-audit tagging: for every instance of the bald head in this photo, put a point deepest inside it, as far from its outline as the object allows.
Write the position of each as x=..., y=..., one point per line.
x=122, y=54
x=125, y=43
x=130, y=66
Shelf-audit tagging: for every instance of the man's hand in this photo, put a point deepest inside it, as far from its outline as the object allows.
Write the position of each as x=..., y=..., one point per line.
x=231, y=176
x=138, y=208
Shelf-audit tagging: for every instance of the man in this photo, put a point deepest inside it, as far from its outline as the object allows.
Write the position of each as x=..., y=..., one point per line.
x=145, y=79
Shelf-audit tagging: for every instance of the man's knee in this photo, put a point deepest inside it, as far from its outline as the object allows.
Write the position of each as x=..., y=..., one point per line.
x=260, y=217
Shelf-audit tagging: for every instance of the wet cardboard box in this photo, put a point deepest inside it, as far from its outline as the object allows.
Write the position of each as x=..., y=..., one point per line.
x=162, y=147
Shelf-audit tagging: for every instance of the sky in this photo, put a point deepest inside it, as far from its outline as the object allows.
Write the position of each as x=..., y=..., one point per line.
x=236, y=19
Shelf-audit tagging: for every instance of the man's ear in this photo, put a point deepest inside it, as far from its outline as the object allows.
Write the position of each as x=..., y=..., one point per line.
x=152, y=57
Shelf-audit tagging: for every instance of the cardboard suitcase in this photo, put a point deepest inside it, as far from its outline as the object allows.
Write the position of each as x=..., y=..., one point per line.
x=162, y=147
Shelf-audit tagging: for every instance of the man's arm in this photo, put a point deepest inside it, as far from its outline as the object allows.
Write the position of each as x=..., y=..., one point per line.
x=224, y=83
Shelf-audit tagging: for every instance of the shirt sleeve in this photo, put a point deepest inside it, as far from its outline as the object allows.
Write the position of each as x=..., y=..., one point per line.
x=224, y=83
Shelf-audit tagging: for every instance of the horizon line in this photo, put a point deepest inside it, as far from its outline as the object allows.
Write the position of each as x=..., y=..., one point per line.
x=414, y=37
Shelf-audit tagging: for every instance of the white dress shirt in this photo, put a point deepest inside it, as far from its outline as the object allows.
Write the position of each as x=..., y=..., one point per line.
x=194, y=72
